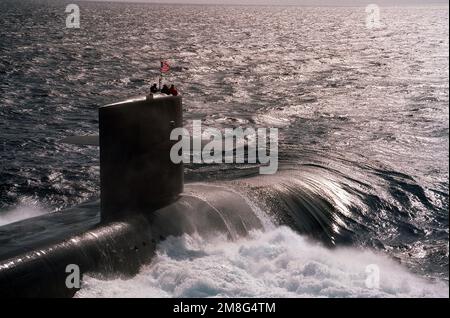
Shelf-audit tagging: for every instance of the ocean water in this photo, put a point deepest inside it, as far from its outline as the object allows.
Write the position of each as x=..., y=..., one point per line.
x=363, y=119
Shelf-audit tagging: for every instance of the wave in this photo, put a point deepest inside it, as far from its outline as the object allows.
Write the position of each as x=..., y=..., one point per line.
x=309, y=214
x=272, y=263
x=27, y=208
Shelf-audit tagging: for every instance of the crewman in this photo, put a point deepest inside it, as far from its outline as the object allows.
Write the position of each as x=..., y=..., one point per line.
x=154, y=89
x=165, y=90
x=173, y=91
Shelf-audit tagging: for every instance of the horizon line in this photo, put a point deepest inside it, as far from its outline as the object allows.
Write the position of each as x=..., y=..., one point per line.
x=193, y=3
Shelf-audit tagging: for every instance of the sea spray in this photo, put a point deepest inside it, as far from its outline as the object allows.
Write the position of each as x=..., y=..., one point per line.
x=27, y=208
x=274, y=263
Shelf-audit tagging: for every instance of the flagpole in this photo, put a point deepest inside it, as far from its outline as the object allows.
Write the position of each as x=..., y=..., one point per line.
x=160, y=74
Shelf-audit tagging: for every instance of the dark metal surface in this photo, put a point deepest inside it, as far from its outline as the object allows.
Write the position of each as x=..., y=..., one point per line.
x=141, y=204
x=35, y=252
x=136, y=172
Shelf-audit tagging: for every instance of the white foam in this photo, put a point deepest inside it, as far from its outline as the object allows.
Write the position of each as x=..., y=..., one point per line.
x=27, y=208
x=275, y=263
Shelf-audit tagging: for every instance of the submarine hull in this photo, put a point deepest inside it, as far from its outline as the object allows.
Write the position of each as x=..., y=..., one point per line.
x=35, y=264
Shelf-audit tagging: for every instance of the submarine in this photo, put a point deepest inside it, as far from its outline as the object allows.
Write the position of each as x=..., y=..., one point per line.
x=143, y=201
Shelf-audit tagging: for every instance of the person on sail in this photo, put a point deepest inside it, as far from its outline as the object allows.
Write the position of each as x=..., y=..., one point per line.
x=154, y=89
x=165, y=90
x=173, y=91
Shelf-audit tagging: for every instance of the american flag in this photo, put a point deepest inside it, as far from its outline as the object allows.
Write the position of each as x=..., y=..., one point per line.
x=165, y=67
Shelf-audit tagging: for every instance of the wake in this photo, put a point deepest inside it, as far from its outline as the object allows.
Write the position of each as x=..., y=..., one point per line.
x=272, y=263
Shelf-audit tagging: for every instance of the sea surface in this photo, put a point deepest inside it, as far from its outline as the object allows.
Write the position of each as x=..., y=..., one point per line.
x=363, y=122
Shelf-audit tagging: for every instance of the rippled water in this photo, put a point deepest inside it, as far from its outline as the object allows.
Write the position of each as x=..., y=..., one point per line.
x=363, y=117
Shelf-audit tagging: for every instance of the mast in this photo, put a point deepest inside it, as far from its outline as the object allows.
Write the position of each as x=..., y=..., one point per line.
x=160, y=73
